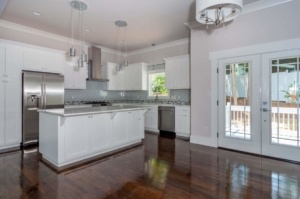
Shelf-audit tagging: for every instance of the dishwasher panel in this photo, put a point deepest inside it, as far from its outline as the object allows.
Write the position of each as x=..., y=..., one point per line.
x=166, y=118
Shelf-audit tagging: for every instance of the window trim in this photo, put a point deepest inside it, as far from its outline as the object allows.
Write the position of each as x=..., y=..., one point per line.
x=148, y=85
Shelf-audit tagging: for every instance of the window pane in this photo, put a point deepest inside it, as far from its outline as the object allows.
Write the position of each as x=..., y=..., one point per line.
x=157, y=85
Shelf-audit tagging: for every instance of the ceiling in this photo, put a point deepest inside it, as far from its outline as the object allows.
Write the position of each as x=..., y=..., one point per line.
x=149, y=21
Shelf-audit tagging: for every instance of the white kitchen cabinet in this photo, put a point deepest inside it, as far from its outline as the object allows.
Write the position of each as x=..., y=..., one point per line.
x=120, y=131
x=43, y=61
x=75, y=77
x=151, y=119
x=131, y=77
x=76, y=137
x=11, y=59
x=135, y=127
x=177, y=72
x=136, y=76
x=182, y=121
x=100, y=132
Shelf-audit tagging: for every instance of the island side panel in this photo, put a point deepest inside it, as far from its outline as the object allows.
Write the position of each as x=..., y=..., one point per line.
x=48, y=136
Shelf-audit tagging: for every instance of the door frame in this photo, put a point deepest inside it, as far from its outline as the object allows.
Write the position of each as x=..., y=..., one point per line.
x=231, y=53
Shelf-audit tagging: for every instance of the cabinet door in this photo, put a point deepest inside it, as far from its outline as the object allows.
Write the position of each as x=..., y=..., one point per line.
x=130, y=77
x=120, y=134
x=68, y=76
x=2, y=109
x=54, y=62
x=76, y=137
x=2, y=61
x=121, y=80
x=153, y=120
x=182, y=117
x=100, y=131
x=79, y=77
x=112, y=76
x=33, y=60
x=13, y=112
x=171, y=73
x=135, y=125
x=183, y=73
x=14, y=62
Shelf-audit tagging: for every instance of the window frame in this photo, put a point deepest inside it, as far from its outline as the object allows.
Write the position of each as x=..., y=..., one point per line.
x=149, y=84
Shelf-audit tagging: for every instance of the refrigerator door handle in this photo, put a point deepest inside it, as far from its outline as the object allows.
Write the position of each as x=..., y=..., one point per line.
x=45, y=96
x=41, y=104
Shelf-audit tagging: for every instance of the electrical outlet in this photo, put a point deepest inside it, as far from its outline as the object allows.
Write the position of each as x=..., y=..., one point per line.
x=72, y=97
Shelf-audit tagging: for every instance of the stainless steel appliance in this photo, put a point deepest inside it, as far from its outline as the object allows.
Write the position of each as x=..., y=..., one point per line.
x=40, y=91
x=166, y=118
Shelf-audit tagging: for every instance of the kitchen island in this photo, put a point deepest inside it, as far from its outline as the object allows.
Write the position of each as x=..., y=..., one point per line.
x=71, y=136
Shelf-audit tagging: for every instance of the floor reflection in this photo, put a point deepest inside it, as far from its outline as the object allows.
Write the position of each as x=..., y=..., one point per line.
x=161, y=168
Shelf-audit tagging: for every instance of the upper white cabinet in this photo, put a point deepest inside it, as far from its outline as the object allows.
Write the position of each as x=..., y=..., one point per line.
x=178, y=72
x=131, y=77
x=182, y=121
x=136, y=76
x=11, y=59
x=43, y=61
x=75, y=77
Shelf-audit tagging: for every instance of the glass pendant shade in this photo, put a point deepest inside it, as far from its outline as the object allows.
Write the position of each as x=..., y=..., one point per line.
x=217, y=11
x=72, y=52
x=125, y=62
x=84, y=57
x=80, y=63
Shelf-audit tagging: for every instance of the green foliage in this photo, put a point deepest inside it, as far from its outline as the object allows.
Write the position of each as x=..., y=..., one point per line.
x=158, y=84
x=292, y=93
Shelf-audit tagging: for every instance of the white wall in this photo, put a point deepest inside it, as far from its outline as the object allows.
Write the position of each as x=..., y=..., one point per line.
x=267, y=25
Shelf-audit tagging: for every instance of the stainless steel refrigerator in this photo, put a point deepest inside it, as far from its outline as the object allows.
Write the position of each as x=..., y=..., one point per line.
x=40, y=91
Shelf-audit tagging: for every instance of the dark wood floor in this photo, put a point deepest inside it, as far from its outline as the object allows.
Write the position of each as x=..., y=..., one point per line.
x=161, y=168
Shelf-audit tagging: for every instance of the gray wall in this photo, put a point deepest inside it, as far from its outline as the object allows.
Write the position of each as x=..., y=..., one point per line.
x=267, y=25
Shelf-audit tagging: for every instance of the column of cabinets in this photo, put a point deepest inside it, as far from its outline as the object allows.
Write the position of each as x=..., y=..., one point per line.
x=11, y=60
x=131, y=77
x=178, y=72
x=182, y=121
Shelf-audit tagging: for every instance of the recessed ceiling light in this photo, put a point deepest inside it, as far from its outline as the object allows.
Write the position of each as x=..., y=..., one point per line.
x=88, y=30
x=36, y=13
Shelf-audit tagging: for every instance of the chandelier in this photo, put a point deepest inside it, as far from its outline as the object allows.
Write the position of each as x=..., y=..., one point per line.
x=217, y=11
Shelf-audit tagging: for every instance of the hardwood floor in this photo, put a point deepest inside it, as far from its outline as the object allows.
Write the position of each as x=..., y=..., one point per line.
x=161, y=168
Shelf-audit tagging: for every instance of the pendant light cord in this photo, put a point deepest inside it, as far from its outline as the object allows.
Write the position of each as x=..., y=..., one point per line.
x=72, y=28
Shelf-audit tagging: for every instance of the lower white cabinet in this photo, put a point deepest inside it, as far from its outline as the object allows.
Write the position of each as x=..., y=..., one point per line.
x=76, y=137
x=182, y=121
x=151, y=119
x=2, y=113
x=65, y=140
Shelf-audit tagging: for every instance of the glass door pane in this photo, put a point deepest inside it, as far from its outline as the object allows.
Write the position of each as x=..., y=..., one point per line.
x=237, y=100
x=285, y=101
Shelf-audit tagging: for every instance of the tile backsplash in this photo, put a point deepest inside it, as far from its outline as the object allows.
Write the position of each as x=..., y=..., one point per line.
x=97, y=91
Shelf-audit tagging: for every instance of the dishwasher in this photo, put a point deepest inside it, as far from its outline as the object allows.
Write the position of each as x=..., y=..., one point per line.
x=166, y=118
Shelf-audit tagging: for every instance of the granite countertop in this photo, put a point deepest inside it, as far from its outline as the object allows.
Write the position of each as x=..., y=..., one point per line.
x=67, y=112
x=148, y=104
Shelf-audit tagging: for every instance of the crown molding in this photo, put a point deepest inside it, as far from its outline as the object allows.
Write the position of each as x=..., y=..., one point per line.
x=160, y=46
x=252, y=7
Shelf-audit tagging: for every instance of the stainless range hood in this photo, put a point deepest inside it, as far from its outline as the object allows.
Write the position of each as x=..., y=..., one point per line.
x=94, y=66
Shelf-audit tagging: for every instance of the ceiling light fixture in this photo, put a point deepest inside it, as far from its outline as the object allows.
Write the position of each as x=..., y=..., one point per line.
x=121, y=42
x=36, y=13
x=81, y=7
x=217, y=11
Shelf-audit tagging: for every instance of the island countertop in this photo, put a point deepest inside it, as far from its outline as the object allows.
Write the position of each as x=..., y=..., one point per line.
x=67, y=112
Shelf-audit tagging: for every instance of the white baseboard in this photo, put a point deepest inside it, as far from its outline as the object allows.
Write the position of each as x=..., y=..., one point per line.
x=206, y=141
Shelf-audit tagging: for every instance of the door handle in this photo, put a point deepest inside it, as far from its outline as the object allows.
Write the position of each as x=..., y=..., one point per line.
x=264, y=110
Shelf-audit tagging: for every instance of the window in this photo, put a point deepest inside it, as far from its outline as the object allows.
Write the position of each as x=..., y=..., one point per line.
x=157, y=85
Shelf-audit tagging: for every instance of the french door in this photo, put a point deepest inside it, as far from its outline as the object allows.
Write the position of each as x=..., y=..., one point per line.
x=259, y=104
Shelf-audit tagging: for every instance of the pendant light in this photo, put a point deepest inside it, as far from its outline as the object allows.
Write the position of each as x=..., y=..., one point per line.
x=72, y=51
x=81, y=7
x=121, y=41
x=153, y=61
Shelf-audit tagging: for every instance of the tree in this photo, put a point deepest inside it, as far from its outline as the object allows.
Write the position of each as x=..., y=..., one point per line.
x=158, y=84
